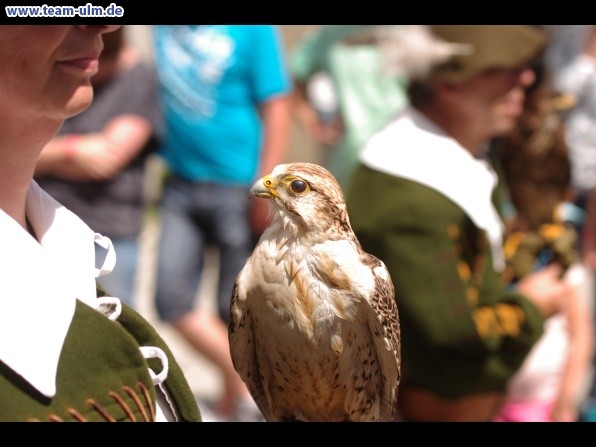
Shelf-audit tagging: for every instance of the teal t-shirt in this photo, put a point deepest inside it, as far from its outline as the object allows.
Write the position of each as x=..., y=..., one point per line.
x=213, y=78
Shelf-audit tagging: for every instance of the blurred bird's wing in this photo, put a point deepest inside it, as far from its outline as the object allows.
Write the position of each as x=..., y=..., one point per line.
x=383, y=322
x=244, y=350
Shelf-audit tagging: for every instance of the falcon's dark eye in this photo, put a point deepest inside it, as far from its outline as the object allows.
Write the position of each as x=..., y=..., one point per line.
x=298, y=186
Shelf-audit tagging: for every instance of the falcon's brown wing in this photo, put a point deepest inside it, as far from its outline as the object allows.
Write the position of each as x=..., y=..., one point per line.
x=383, y=320
x=244, y=350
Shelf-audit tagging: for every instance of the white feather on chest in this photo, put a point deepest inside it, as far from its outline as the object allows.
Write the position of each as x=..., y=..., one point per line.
x=294, y=291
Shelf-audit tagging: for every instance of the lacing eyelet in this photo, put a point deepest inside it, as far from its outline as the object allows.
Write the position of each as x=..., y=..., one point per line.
x=154, y=352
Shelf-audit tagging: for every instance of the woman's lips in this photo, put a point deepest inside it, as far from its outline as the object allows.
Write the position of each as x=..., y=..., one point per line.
x=87, y=64
x=84, y=63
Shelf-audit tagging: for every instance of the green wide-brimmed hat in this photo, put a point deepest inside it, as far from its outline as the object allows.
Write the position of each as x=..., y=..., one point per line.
x=490, y=46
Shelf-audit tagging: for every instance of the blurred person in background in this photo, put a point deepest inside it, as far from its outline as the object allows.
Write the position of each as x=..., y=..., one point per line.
x=96, y=163
x=572, y=62
x=422, y=200
x=341, y=94
x=551, y=385
x=225, y=101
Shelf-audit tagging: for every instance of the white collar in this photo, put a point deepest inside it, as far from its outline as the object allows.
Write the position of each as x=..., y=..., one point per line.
x=415, y=148
x=40, y=284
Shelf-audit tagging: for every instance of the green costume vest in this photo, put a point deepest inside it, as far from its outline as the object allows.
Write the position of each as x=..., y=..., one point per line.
x=102, y=375
x=463, y=332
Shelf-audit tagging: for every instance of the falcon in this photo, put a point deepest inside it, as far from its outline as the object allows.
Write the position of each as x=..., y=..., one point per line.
x=314, y=329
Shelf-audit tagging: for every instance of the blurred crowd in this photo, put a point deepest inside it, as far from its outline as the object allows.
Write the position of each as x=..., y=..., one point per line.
x=467, y=155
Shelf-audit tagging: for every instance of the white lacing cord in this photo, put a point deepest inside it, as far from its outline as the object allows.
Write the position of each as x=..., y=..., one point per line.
x=110, y=260
x=110, y=306
x=166, y=409
x=150, y=352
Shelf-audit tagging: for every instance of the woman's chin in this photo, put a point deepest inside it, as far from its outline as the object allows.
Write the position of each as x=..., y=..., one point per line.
x=79, y=101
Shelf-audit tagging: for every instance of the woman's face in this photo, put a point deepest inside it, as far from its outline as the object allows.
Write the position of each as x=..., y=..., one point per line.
x=45, y=70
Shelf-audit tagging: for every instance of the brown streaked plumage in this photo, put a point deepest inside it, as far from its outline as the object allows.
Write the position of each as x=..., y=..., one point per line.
x=314, y=329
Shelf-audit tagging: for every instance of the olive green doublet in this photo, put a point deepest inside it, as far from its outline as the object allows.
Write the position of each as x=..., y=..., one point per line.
x=102, y=375
x=463, y=331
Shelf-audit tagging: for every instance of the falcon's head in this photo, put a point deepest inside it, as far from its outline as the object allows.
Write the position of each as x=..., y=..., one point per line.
x=305, y=198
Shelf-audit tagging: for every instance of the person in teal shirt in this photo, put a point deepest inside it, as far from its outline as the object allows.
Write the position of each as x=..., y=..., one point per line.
x=224, y=91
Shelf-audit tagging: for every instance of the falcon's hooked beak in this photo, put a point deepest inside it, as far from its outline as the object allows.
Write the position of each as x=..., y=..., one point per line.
x=264, y=187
